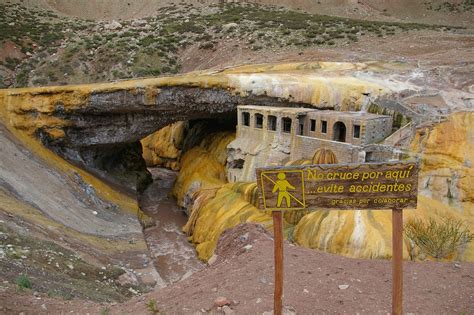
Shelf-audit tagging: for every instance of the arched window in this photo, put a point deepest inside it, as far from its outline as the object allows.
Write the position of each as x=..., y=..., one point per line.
x=339, y=132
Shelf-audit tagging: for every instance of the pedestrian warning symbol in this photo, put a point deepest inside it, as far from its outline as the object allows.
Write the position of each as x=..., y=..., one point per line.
x=282, y=190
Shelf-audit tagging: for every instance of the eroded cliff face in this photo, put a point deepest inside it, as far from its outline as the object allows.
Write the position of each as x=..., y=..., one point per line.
x=447, y=156
x=67, y=223
x=87, y=123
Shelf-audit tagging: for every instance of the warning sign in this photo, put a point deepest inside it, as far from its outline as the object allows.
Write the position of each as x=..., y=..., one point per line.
x=349, y=186
x=283, y=189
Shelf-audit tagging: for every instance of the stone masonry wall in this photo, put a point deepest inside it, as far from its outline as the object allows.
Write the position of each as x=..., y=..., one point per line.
x=304, y=148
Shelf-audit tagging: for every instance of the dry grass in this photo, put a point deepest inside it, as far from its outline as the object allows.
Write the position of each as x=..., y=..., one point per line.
x=438, y=239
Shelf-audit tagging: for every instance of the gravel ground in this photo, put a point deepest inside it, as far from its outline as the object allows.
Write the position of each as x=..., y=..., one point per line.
x=315, y=283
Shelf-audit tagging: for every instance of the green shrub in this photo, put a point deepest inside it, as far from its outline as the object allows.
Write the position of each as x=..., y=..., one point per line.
x=439, y=240
x=61, y=293
x=207, y=45
x=147, y=41
x=23, y=282
x=22, y=78
x=11, y=63
x=352, y=37
x=152, y=307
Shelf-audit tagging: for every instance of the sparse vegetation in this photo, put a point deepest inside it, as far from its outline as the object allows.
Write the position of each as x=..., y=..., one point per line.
x=23, y=282
x=152, y=307
x=61, y=293
x=57, y=271
x=70, y=50
x=446, y=6
x=438, y=239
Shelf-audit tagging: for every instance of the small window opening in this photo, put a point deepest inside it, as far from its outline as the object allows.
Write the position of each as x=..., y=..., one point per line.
x=259, y=121
x=246, y=119
x=301, y=127
x=286, y=122
x=324, y=126
x=356, y=131
x=313, y=124
x=272, y=123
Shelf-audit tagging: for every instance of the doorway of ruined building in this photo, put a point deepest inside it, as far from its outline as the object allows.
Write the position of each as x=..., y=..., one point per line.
x=339, y=132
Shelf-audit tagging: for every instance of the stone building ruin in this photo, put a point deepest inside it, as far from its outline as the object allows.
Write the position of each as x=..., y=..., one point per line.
x=276, y=135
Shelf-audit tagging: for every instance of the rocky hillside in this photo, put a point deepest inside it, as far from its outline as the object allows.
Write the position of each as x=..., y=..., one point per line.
x=68, y=233
x=39, y=46
x=437, y=11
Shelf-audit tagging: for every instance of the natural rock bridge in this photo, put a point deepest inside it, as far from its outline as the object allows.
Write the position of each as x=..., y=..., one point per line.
x=102, y=123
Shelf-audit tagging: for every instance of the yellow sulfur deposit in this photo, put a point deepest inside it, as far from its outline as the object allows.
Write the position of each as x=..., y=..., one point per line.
x=227, y=207
x=202, y=167
x=324, y=156
x=216, y=204
x=447, y=155
x=164, y=146
x=367, y=233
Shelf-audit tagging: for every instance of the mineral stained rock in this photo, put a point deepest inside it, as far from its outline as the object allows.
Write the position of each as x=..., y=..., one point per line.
x=80, y=122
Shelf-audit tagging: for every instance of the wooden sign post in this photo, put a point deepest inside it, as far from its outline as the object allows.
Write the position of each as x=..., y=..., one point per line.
x=397, y=261
x=278, y=243
x=351, y=186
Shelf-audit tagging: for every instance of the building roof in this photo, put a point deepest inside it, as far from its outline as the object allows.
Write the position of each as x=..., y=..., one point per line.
x=276, y=109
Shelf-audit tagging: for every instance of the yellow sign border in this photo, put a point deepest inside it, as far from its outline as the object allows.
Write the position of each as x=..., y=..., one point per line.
x=284, y=171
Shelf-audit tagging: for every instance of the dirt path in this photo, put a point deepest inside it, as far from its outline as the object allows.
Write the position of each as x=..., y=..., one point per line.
x=174, y=257
x=315, y=282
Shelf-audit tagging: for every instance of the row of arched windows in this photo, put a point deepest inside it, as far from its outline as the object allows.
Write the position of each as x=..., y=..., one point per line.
x=338, y=129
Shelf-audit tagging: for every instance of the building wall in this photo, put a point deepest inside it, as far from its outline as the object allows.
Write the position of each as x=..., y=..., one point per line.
x=377, y=129
x=259, y=147
x=305, y=147
x=266, y=113
x=371, y=130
